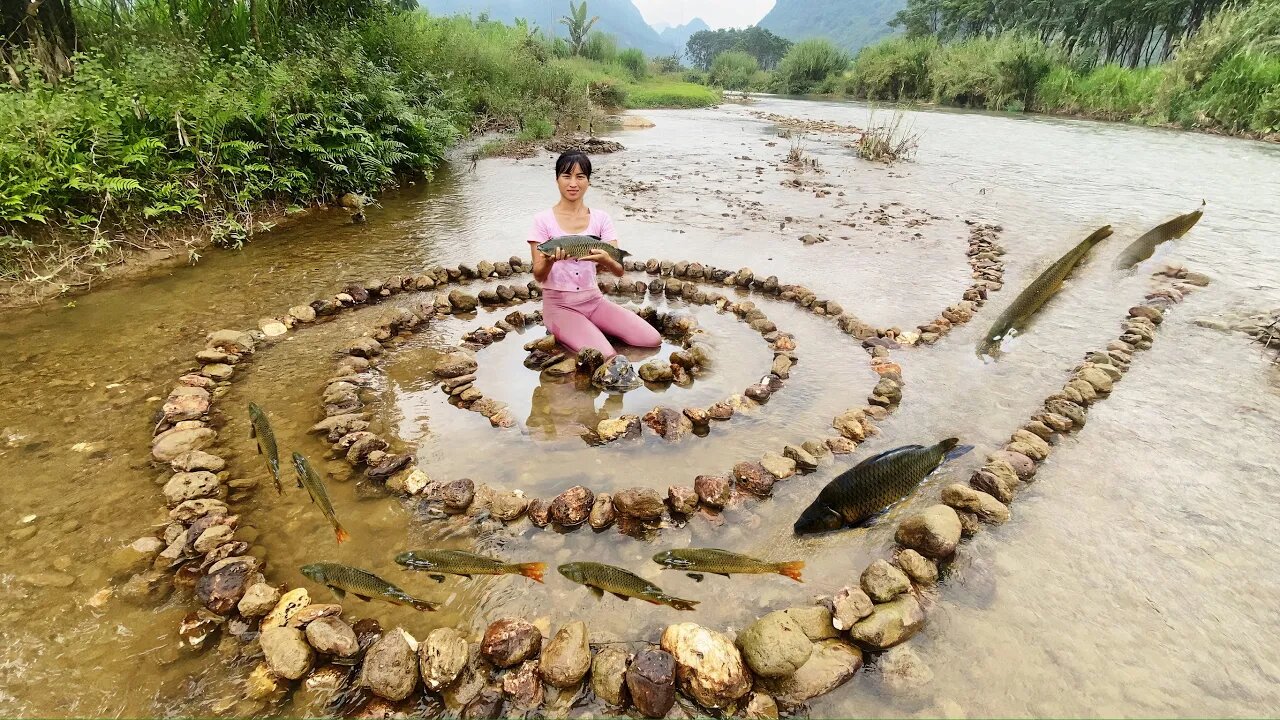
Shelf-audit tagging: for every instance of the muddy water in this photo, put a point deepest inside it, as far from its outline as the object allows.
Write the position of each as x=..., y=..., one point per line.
x=1134, y=579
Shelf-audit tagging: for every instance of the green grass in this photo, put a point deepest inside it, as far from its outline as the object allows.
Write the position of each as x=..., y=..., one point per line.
x=670, y=94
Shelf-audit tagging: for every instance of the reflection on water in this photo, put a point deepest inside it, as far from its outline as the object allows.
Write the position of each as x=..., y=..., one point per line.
x=569, y=405
x=1134, y=577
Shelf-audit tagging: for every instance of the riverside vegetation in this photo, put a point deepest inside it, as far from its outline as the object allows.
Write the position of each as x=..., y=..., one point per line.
x=1196, y=64
x=119, y=120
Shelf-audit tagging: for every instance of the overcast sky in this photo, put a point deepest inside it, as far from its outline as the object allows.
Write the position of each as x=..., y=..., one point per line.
x=717, y=13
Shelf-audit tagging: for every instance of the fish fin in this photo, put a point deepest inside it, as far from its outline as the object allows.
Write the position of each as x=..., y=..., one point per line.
x=253, y=433
x=436, y=577
x=342, y=534
x=724, y=575
x=339, y=592
x=532, y=570
x=423, y=605
x=365, y=598
x=697, y=577
x=621, y=597
x=679, y=603
x=597, y=592
x=791, y=569
x=259, y=444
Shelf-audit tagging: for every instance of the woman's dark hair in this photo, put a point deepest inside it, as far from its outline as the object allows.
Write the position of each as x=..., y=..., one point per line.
x=566, y=161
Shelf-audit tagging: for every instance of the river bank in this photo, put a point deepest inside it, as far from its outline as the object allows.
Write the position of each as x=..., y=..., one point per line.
x=1168, y=470
x=158, y=138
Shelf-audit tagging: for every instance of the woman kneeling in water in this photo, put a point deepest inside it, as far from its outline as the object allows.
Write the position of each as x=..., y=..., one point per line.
x=573, y=308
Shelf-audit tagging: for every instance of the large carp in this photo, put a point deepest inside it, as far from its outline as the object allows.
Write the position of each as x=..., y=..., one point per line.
x=1145, y=246
x=874, y=484
x=1038, y=292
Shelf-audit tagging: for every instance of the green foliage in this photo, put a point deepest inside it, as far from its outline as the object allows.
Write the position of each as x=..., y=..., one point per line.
x=579, y=25
x=634, y=62
x=896, y=69
x=600, y=47
x=664, y=64
x=671, y=94
x=808, y=64
x=995, y=73
x=1131, y=33
x=704, y=46
x=733, y=70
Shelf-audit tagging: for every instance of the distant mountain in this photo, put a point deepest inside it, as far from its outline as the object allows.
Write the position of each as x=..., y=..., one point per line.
x=619, y=18
x=850, y=24
x=678, y=36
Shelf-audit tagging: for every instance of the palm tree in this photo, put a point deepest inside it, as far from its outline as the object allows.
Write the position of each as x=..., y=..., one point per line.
x=578, y=25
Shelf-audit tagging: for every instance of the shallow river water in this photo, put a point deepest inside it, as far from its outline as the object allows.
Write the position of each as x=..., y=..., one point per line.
x=1137, y=574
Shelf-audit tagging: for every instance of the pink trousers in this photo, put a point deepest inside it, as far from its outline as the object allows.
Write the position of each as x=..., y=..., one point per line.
x=581, y=319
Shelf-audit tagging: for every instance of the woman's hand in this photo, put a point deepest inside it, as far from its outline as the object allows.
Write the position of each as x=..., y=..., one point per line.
x=558, y=255
x=604, y=260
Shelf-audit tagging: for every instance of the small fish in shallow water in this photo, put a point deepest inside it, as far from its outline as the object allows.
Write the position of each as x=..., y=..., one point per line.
x=260, y=429
x=1145, y=246
x=624, y=584
x=580, y=246
x=697, y=561
x=874, y=484
x=342, y=579
x=308, y=479
x=1038, y=293
x=437, y=563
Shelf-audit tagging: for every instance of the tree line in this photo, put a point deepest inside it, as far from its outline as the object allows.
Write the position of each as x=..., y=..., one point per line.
x=705, y=46
x=1131, y=33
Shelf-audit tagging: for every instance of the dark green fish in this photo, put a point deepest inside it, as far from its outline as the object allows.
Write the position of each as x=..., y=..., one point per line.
x=1038, y=292
x=1145, y=246
x=342, y=579
x=603, y=578
x=722, y=562
x=260, y=429
x=308, y=479
x=874, y=484
x=437, y=563
x=580, y=246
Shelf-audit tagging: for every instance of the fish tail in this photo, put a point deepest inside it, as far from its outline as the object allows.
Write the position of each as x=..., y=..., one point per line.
x=342, y=534
x=791, y=569
x=531, y=570
x=623, y=254
x=952, y=450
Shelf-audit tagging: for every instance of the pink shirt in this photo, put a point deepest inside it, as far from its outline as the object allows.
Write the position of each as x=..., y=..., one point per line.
x=571, y=275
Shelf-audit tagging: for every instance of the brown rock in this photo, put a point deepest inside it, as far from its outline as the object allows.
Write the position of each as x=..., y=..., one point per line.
x=651, y=682
x=571, y=507
x=713, y=490
x=390, y=667
x=889, y=624
x=966, y=499
x=1022, y=466
x=602, y=513
x=753, y=478
x=683, y=500
x=934, y=532
x=510, y=641
x=708, y=666
x=457, y=495
x=919, y=568
x=641, y=503
x=608, y=675
x=883, y=582
x=671, y=425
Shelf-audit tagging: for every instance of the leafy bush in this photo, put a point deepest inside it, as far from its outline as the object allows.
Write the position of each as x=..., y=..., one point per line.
x=634, y=62
x=896, y=69
x=601, y=47
x=733, y=70
x=664, y=64
x=809, y=63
